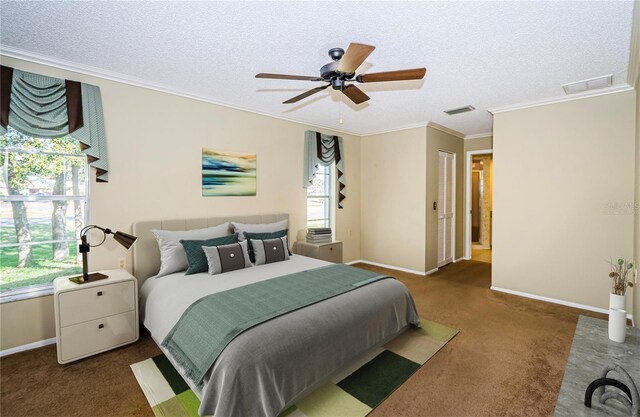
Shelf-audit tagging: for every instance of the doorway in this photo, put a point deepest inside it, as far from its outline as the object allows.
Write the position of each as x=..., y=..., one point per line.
x=479, y=205
x=477, y=190
x=446, y=207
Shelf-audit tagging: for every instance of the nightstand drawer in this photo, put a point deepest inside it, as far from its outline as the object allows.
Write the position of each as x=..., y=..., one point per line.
x=95, y=302
x=331, y=253
x=97, y=335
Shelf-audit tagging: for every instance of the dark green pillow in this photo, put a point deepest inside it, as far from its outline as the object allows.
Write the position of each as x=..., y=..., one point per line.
x=196, y=258
x=263, y=236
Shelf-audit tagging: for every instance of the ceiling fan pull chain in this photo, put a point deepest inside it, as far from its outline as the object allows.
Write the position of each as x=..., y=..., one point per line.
x=340, y=108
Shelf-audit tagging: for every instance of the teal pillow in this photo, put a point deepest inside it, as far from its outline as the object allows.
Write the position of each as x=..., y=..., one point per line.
x=196, y=258
x=263, y=236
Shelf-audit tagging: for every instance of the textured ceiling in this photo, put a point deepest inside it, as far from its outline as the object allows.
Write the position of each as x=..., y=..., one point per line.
x=487, y=54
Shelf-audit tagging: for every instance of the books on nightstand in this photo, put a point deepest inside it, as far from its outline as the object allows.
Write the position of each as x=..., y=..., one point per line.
x=319, y=235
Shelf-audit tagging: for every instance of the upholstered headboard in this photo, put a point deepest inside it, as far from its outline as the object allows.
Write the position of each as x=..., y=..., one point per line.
x=146, y=255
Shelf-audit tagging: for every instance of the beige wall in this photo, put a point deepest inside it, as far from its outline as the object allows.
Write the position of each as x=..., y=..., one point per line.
x=441, y=141
x=393, y=180
x=27, y=321
x=636, y=236
x=555, y=222
x=478, y=144
x=634, y=70
x=399, y=185
x=154, y=143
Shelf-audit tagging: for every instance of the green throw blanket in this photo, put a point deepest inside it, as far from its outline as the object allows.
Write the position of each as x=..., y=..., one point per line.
x=212, y=322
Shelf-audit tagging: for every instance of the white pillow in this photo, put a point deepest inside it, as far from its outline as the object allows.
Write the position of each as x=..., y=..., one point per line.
x=240, y=228
x=172, y=255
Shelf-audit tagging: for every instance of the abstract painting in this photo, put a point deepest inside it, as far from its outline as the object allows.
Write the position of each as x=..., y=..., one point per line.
x=225, y=173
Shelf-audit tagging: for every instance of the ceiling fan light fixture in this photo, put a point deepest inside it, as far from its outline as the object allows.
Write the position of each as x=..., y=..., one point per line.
x=459, y=110
x=343, y=69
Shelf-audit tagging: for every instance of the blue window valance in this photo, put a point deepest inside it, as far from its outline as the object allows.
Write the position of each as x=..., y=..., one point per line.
x=321, y=149
x=46, y=107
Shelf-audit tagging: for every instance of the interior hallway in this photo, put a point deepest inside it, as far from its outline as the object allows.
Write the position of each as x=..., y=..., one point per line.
x=481, y=255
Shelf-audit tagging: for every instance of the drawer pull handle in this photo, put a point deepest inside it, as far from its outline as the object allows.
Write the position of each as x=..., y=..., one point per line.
x=99, y=293
x=100, y=326
x=330, y=248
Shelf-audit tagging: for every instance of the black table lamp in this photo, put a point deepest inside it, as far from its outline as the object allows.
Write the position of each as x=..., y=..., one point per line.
x=124, y=239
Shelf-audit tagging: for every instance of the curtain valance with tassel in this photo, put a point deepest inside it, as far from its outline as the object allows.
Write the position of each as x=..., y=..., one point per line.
x=46, y=107
x=321, y=149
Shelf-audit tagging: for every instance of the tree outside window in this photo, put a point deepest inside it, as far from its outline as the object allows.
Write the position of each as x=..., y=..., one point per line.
x=43, y=206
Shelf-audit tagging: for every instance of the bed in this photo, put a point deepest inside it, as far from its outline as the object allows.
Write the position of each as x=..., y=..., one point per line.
x=268, y=367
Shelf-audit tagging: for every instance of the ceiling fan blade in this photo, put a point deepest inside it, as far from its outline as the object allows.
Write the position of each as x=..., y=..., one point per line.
x=288, y=77
x=408, y=74
x=354, y=57
x=355, y=94
x=305, y=94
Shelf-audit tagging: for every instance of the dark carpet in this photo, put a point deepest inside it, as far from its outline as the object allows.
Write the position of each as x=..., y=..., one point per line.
x=508, y=359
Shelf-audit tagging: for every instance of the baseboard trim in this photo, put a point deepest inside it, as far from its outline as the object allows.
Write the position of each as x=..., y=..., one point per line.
x=397, y=268
x=28, y=346
x=557, y=301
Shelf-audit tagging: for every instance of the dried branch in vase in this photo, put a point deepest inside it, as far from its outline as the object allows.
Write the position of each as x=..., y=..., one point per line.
x=619, y=271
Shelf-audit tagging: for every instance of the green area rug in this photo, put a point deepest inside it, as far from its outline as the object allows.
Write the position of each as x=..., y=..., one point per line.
x=354, y=392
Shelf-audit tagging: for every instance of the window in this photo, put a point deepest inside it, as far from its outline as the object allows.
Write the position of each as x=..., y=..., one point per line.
x=319, y=198
x=43, y=206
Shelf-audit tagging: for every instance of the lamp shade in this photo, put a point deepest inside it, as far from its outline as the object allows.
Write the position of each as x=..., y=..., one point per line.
x=124, y=239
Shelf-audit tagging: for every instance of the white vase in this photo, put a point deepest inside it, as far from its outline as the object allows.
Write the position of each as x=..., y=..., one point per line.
x=617, y=325
x=617, y=301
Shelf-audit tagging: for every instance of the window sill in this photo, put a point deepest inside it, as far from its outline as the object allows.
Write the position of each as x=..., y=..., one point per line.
x=25, y=293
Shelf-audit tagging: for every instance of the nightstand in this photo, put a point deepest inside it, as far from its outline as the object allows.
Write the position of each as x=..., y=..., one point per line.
x=329, y=251
x=96, y=316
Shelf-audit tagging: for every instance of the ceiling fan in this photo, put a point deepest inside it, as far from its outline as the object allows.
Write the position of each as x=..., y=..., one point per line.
x=343, y=70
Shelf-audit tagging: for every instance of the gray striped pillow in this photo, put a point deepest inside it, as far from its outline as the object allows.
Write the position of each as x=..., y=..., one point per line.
x=225, y=258
x=270, y=250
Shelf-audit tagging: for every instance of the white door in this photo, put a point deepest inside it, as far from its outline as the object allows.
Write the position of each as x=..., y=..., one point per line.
x=446, y=207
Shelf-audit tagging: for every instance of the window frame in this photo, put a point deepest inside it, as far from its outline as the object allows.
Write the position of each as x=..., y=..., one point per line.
x=329, y=196
x=41, y=290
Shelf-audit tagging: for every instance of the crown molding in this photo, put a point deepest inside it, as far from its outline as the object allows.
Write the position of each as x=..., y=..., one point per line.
x=479, y=135
x=65, y=65
x=446, y=130
x=437, y=127
x=398, y=129
x=561, y=99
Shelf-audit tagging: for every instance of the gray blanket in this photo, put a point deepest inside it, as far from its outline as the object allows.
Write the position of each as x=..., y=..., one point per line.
x=196, y=341
x=265, y=369
x=270, y=366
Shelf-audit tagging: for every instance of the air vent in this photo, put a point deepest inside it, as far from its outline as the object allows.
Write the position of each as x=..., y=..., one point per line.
x=459, y=110
x=590, y=84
